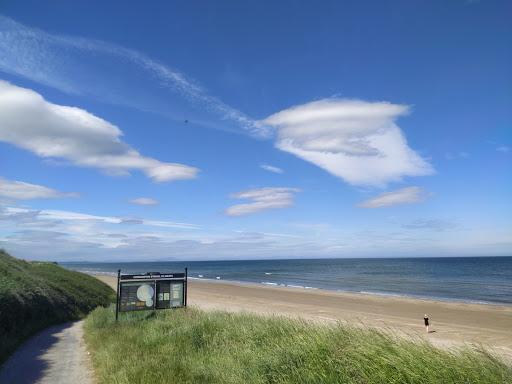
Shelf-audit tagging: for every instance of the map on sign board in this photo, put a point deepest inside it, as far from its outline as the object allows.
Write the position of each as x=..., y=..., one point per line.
x=136, y=296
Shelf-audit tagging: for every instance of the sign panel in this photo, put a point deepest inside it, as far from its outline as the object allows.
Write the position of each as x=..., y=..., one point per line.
x=163, y=289
x=152, y=290
x=136, y=296
x=176, y=294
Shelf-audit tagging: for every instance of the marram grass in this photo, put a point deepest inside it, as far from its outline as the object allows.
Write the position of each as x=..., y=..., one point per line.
x=192, y=346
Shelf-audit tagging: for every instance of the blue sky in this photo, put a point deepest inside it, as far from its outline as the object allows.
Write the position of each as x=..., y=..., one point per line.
x=226, y=130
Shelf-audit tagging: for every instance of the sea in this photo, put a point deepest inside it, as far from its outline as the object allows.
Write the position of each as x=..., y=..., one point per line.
x=485, y=280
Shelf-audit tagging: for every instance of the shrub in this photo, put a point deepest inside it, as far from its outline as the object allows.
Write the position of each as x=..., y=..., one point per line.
x=35, y=295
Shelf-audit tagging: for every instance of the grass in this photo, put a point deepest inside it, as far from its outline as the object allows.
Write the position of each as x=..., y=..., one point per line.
x=35, y=295
x=192, y=346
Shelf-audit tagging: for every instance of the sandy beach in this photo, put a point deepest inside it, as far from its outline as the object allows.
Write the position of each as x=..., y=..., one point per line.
x=453, y=324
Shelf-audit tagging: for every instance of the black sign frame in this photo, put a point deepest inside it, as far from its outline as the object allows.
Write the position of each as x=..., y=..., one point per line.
x=156, y=279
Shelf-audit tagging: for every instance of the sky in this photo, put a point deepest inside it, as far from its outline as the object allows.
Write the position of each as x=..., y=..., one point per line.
x=194, y=130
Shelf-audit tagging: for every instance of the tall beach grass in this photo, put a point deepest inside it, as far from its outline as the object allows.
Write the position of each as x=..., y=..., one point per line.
x=193, y=346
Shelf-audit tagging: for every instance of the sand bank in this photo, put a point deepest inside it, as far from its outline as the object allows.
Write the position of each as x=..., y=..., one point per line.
x=453, y=324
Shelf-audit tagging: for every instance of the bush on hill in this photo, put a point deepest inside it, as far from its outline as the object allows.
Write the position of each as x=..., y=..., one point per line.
x=35, y=295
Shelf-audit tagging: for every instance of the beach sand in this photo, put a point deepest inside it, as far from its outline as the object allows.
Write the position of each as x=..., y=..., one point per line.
x=453, y=324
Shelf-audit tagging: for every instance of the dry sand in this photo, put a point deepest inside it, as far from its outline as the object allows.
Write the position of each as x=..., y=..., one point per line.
x=453, y=324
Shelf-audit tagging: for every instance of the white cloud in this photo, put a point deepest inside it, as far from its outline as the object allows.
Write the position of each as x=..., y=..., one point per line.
x=144, y=201
x=407, y=195
x=49, y=130
x=90, y=67
x=260, y=235
x=50, y=215
x=64, y=235
x=271, y=168
x=438, y=225
x=503, y=149
x=262, y=199
x=355, y=140
x=20, y=190
x=456, y=155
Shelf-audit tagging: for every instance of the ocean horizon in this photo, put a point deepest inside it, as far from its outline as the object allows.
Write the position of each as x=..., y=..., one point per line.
x=484, y=280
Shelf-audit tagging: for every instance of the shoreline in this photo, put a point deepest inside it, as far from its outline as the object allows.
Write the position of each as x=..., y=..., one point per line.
x=341, y=291
x=349, y=292
x=453, y=324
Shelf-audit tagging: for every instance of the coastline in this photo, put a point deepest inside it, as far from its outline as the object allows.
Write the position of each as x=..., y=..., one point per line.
x=340, y=291
x=454, y=323
x=348, y=292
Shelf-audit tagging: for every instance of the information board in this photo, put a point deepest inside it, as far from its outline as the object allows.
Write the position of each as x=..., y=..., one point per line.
x=150, y=291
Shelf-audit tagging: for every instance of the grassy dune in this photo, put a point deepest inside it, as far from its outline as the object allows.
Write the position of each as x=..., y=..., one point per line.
x=192, y=346
x=34, y=295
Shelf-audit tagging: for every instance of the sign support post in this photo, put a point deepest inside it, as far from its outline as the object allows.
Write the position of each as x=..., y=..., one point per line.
x=186, y=287
x=117, y=293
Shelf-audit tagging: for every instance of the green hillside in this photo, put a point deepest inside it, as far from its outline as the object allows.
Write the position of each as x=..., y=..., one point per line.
x=34, y=295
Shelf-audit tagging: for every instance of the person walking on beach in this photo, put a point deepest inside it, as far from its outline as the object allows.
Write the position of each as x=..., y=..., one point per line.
x=427, y=324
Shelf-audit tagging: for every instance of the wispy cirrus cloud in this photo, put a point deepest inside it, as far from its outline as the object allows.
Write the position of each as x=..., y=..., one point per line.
x=144, y=201
x=271, y=168
x=355, y=140
x=50, y=215
x=50, y=130
x=67, y=235
x=456, y=155
x=262, y=199
x=408, y=195
x=19, y=190
x=91, y=68
x=438, y=225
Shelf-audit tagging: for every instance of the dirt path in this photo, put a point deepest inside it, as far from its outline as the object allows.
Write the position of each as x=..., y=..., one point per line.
x=56, y=355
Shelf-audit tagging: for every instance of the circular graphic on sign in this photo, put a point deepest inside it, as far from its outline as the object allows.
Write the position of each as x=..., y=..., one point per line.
x=145, y=293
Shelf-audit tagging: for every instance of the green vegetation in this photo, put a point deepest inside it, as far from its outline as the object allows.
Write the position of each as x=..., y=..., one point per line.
x=35, y=295
x=192, y=346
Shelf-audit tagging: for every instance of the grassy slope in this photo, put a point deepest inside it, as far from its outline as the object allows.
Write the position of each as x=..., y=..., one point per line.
x=34, y=295
x=192, y=346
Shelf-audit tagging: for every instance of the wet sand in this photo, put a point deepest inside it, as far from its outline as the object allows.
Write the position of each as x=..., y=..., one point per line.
x=453, y=324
